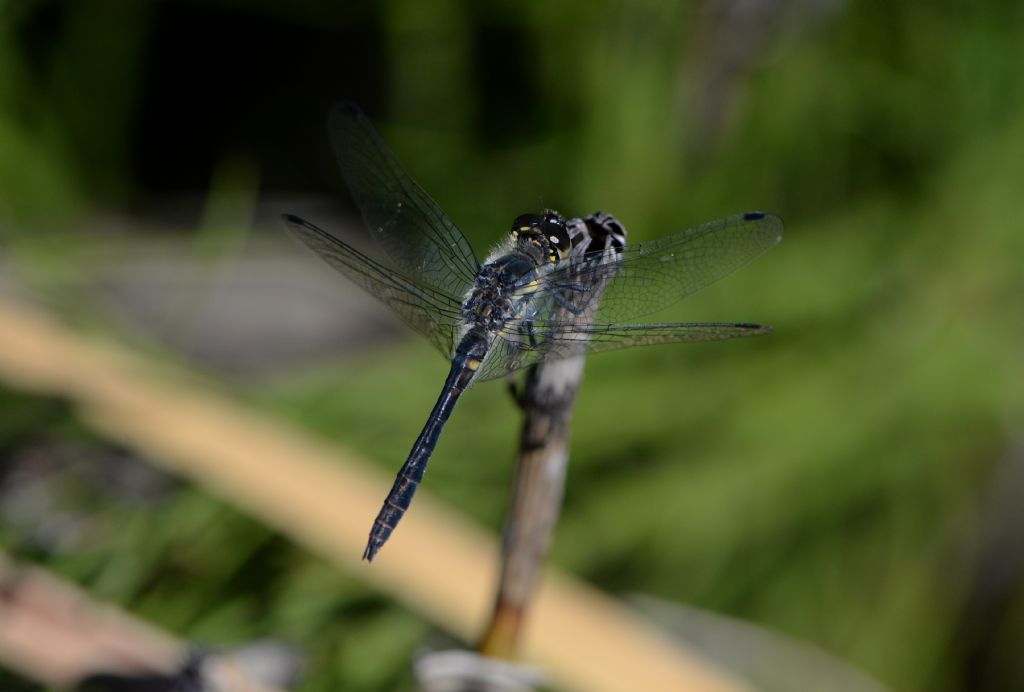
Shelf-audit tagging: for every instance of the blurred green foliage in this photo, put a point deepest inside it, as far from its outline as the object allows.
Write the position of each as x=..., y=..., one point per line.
x=833, y=481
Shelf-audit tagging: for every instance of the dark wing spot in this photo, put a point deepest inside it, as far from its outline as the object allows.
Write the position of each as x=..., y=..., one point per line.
x=753, y=215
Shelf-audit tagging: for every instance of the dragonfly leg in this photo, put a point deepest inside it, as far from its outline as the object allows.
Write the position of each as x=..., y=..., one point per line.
x=530, y=333
x=565, y=303
x=514, y=390
x=580, y=288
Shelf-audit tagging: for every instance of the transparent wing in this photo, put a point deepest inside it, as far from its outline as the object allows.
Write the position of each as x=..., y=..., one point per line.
x=409, y=226
x=526, y=345
x=650, y=276
x=428, y=311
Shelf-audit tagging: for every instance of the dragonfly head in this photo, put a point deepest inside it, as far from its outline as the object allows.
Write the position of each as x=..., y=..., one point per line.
x=545, y=233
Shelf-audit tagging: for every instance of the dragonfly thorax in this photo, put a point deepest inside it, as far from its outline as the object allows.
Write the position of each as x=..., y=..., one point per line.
x=492, y=300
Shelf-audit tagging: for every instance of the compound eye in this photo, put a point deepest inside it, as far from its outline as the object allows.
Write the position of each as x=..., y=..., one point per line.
x=525, y=222
x=556, y=233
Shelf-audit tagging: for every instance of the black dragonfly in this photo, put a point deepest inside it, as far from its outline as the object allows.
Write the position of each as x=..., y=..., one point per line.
x=554, y=288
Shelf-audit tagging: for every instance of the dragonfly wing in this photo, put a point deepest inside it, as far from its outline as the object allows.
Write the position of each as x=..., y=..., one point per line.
x=409, y=226
x=650, y=276
x=514, y=349
x=427, y=310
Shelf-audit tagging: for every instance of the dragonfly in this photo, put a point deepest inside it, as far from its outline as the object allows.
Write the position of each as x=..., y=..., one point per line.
x=553, y=288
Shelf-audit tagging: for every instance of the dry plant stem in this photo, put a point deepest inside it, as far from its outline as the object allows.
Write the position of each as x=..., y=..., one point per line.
x=56, y=634
x=546, y=399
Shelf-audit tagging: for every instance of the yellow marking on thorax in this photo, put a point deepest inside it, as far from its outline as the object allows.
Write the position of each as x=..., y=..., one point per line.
x=472, y=364
x=529, y=288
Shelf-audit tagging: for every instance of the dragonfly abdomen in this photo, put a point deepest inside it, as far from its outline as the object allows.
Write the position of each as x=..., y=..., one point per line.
x=468, y=356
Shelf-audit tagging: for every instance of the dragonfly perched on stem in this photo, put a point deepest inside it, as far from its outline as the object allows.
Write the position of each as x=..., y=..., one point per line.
x=554, y=288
